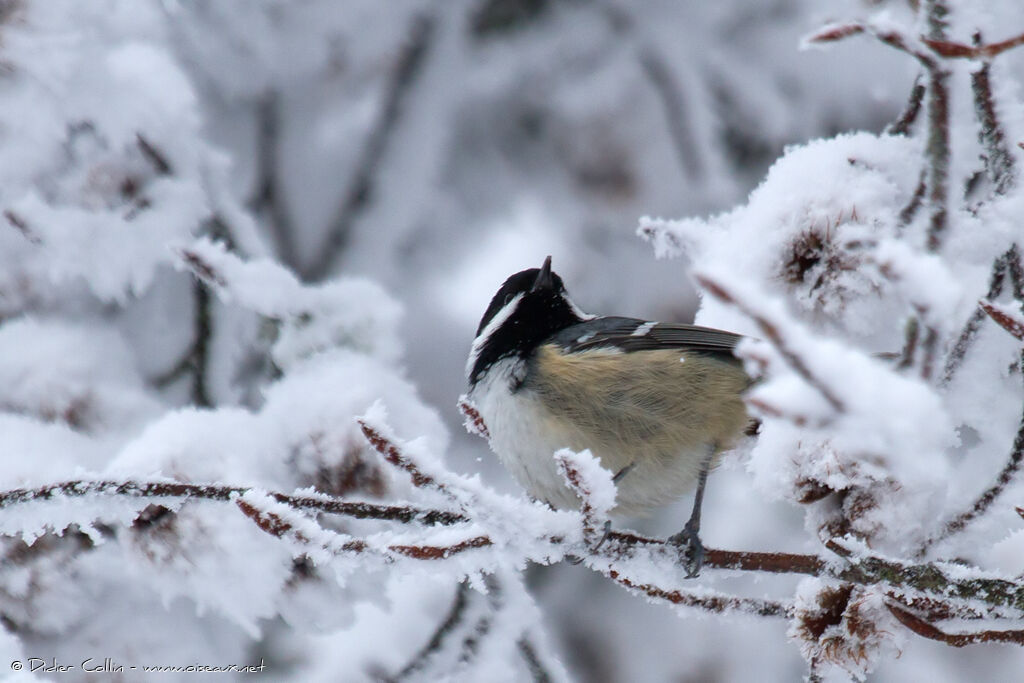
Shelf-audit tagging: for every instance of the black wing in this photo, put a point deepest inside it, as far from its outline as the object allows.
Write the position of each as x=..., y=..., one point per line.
x=631, y=334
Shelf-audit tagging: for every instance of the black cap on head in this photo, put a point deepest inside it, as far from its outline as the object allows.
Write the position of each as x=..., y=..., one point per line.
x=532, y=305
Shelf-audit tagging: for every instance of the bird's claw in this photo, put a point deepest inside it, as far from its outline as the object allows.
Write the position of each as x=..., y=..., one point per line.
x=690, y=548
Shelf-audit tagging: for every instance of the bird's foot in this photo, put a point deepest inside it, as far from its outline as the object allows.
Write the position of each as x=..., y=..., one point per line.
x=691, y=550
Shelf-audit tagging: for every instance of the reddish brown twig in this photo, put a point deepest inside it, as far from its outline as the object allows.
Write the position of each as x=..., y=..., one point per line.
x=1009, y=323
x=474, y=421
x=176, y=491
x=895, y=39
x=835, y=32
x=927, y=630
x=933, y=609
x=953, y=50
x=275, y=525
x=715, y=603
x=440, y=552
x=594, y=518
x=269, y=522
x=999, y=163
x=398, y=458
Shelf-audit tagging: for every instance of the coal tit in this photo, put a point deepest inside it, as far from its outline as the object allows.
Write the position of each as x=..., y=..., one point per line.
x=655, y=402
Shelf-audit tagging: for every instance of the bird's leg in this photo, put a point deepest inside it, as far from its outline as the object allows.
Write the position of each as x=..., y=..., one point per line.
x=623, y=472
x=688, y=540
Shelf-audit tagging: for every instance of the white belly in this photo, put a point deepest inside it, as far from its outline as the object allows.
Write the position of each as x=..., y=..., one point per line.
x=525, y=439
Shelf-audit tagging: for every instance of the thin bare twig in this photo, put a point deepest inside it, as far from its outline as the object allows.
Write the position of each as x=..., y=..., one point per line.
x=19, y=222
x=999, y=163
x=456, y=615
x=929, y=347
x=195, y=360
x=154, y=155
x=985, y=500
x=908, y=212
x=593, y=517
x=714, y=603
x=937, y=150
x=937, y=610
x=901, y=126
x=268, y=198
x=1012, y=325
x=359, y=195
x=911, y=336
x=1009, y=261
x=473, y=421
x=398, y=458
x=538, y=671
x=954, y=50
x=927, y=630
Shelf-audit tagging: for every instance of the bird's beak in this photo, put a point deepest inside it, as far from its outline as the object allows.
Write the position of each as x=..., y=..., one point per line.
x=544, y=280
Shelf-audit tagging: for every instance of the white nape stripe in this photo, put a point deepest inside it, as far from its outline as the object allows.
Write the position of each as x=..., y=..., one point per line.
x=497, y=321
x=643, y=330
x=576, y=309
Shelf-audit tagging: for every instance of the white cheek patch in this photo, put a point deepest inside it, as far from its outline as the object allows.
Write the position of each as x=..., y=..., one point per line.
x=497, y=321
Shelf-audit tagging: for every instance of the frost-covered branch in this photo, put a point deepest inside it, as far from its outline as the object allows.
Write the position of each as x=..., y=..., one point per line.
x=399, y=458
x=180, y=492
x=710, y=603
x=612, y=558
x=999, y=163
x=927, y=630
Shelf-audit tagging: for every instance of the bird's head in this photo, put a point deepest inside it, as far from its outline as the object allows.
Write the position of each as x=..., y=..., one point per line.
x=528, y=308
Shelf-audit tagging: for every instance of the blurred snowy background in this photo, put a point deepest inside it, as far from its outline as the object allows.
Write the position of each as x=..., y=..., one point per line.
x=401, y=159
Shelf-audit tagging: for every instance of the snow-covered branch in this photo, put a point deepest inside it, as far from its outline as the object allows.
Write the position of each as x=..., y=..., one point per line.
x=287, y=516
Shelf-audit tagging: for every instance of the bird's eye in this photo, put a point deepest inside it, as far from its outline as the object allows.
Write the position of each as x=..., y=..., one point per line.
x=508, y=297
